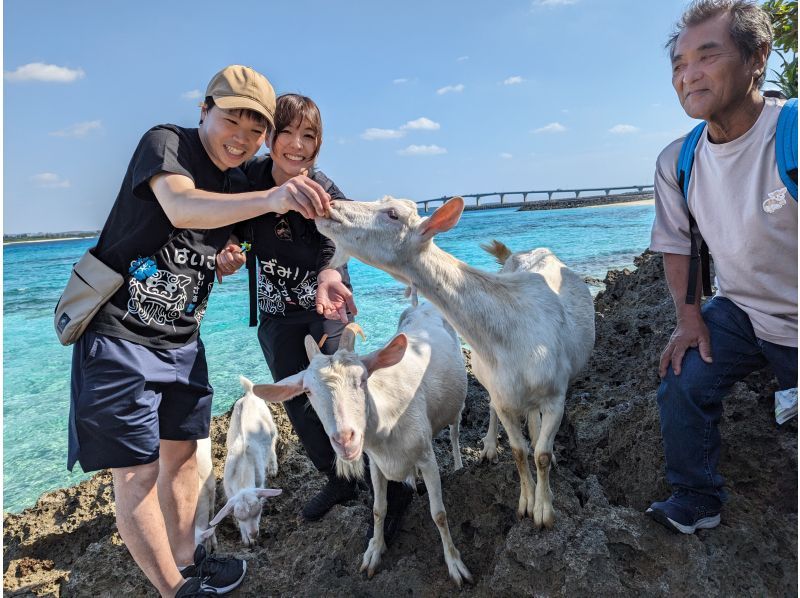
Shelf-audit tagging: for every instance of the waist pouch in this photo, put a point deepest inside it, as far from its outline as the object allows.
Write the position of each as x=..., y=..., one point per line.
x=90, y=285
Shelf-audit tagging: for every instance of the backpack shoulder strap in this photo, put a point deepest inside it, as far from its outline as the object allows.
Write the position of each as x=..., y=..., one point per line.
x=686, y=158
x=786, y=146
x=699, y=250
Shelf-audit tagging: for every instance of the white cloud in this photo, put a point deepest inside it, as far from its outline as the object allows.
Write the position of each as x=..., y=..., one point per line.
x=462, y=58
x=448, y=88
x=422, y=123
x=194, y=94
x=506, y=156
x=551, y=128
x=554, y=2
x=49, y=73
x=623, y=129
x=422, y=150
x=78, y=129
x=373, y=134
x=400, y=81
x=516, y=80
x=49, y=180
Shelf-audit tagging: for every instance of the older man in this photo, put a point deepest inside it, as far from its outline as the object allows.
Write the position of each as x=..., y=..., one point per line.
x=736, y=197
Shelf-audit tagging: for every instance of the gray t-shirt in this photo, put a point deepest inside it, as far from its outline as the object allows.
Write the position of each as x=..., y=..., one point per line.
x=747, y=218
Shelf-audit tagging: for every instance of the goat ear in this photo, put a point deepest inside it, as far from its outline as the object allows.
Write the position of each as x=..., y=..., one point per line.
x=268, y=492
x=443, y=219
x=389, y=355
x=222, y=513
x=286, y=389
x=312, y=348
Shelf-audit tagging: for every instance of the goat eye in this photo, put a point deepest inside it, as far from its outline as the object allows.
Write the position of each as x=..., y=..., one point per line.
x=392, y=214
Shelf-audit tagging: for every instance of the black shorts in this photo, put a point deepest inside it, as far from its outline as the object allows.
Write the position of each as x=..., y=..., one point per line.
x=127, y=397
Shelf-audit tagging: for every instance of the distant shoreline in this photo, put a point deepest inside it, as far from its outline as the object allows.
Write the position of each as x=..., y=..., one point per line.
x=48, y=240
x=601, y=201
x=595, y=201
x=635, y=202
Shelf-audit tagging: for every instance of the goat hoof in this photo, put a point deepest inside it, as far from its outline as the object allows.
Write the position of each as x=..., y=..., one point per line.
x=459, y=572
x=372, y=557
x=544, y=517
x=489, y=454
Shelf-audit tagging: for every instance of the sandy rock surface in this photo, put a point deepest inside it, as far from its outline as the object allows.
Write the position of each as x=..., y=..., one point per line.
x=610, y=467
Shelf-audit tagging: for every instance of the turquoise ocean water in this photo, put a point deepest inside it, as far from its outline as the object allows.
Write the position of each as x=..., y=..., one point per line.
x=36, y=367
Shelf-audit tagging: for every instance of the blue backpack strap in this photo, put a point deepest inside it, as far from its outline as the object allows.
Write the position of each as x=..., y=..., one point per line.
x=686, y=158
x=698, y=252
x=786, y=146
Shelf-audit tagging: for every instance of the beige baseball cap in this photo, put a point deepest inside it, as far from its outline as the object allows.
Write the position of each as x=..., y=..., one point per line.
x=239, y=87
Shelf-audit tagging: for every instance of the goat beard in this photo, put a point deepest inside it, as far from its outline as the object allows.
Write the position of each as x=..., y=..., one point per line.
x=340, y=258
x=350, y=470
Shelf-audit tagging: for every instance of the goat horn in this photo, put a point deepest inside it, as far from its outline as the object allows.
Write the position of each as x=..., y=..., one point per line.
x=322, y=340
x=348, y=340
x=357, y=330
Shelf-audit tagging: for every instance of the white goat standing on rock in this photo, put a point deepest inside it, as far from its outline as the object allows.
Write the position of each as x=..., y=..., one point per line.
x=390, y=404
x=531, y=327
x=251, y=440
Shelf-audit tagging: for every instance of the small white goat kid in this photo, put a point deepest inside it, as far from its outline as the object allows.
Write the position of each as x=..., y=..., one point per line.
x=531, y=327
x=252, y=436
x=207, y=492
x=390, y=404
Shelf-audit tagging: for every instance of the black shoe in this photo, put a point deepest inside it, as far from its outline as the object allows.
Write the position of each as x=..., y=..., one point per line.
x=398, y=497
x=193, y=588
x=335, y=491
x=218, y=575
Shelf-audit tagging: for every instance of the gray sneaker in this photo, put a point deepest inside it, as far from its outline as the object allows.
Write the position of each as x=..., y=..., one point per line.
x=686, y=512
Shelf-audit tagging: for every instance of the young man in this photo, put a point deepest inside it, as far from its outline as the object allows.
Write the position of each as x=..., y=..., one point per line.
x=140, y=391
x=749, y=221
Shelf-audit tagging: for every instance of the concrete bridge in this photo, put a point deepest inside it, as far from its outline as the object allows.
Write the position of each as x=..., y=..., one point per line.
x=502, y=195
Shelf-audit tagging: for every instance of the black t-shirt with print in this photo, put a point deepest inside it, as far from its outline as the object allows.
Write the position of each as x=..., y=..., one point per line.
x=289, y=250
x=161, y=305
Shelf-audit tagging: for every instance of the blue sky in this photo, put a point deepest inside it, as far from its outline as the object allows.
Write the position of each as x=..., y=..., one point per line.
x=418, y=99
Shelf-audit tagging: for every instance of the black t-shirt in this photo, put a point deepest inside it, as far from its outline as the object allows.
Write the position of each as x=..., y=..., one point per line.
x=168, y=272
x=289, y=250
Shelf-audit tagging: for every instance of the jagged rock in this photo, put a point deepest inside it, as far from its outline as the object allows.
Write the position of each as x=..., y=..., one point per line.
x=610, y=467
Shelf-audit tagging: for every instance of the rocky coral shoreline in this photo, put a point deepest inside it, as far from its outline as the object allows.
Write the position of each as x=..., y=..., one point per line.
x=585, y=202
x=610, y=467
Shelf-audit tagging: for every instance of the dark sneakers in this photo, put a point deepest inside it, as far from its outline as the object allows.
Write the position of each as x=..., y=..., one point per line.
x=686, y=512
x=218, y=575
x=193, y=588
x=335, y=491
x=398, y=497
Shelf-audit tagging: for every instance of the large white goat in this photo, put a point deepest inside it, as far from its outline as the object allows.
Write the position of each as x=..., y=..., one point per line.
x=390, y=404
x=530, y=327
x=251, y=440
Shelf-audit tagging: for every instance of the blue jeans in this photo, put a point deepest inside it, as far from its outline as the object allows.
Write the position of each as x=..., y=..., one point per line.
x=691, y=404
